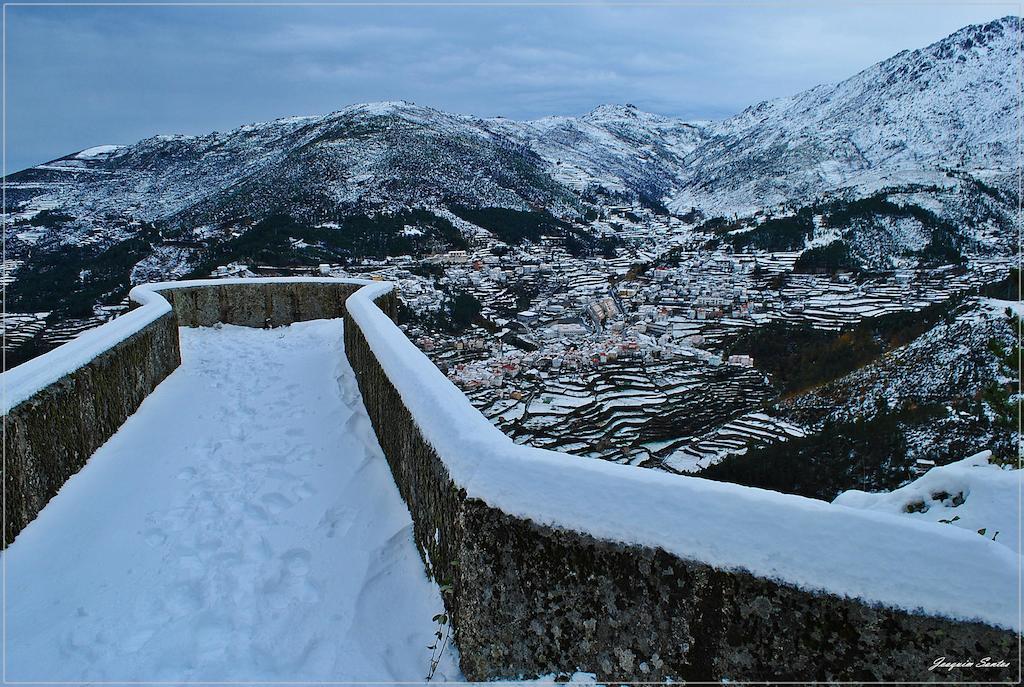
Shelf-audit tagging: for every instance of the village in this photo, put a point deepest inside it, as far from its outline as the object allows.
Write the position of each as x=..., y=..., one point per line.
x=621, y=358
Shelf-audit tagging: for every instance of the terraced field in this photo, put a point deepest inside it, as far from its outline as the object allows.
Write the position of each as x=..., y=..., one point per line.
x=625, y=411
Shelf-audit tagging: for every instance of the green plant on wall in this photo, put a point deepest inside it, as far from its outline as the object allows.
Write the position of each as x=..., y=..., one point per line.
x=442, y=633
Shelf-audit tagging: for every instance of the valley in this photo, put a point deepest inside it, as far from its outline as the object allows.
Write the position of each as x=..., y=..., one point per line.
x=829, y=268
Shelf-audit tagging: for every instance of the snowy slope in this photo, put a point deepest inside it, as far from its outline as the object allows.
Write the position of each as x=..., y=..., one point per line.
x=932, y=128
x=952, y=358
x=950, y=104
x=940, y=385
x=366, y=156
x=971, y=494
x=615, y=147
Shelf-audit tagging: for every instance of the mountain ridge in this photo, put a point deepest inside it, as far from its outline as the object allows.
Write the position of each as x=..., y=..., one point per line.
x=928, y=130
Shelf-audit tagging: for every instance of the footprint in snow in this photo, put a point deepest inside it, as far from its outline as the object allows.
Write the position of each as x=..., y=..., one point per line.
x=296, y=562
x=275, y=502
x=304, y=491
x=155, y=537
x=256, y=514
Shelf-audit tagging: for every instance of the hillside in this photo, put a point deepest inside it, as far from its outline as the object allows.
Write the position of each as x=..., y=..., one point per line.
x=907, y=163
x=902, y=121
x=946, y=393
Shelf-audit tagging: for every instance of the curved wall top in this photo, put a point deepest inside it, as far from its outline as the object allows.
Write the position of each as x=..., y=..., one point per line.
x=22, y=382
x=874, y=557
x=817, y=546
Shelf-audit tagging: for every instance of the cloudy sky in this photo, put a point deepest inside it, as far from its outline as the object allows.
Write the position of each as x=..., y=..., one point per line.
x=79, y=76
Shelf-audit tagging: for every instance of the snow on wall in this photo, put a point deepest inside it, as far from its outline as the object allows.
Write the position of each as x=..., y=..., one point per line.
x=22, y=382
x=875, y=557
x=61, y=407
x=96, y=381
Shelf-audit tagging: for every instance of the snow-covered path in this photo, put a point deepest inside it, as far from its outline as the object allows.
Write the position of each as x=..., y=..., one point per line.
x=242, y=526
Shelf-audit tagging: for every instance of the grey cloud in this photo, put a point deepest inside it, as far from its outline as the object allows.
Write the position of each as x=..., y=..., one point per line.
x=80, y=76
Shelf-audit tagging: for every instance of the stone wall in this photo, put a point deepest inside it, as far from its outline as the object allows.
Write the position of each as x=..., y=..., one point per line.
x=536, y=599
x=50, y=436
x=525, y=598
x=257, y=303
x=528, y=599
x=435, y=502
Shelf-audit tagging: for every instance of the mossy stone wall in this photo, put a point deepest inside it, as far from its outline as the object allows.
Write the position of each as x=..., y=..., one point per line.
x=50, y=436
x=529, y=599
x=272, y=304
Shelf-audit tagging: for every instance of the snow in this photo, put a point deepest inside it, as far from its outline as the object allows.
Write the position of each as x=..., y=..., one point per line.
x=898, y=122
x=138, y=293
x=23, y=381
x=409, y=230
x=243, y=525
x=72, y=166
x=998, y=307
x=990, y=496
x=877, y=557
x=98, y=151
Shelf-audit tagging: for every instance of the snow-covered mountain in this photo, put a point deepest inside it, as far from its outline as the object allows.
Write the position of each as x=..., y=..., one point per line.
x=958, y=366
x=949, y=105
x=930, y=129
x=380, y=156
x=617, y=148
